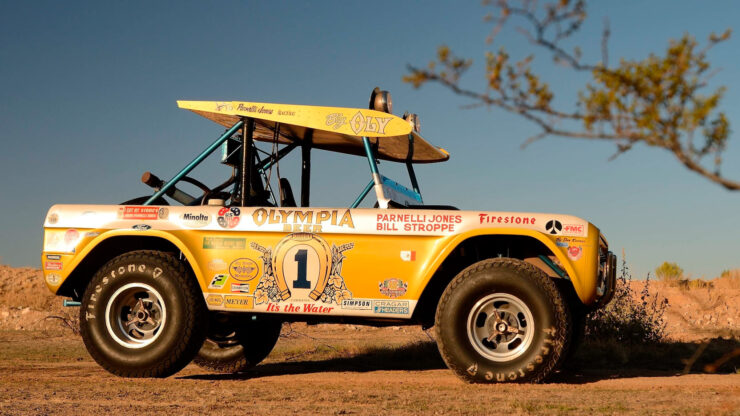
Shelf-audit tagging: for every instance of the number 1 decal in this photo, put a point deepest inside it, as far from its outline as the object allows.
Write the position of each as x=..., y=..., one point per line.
x=301, y=257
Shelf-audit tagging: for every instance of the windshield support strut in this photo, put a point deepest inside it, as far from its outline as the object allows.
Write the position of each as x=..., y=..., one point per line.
x=306, y=145
x=247, y=161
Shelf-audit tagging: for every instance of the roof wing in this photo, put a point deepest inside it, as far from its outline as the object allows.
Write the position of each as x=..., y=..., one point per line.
x=334, y=128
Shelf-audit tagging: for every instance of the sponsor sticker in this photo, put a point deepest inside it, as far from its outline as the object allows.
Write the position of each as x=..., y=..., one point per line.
x=53, y=279
x=142, y=227
x=243, y=269
x=53, y=257
x=399, y=307
x=163, y=213
x=215, y=300
x=218, y=281
x=228, y=217
x=238, y=302
x=92, y=234
x=71, y=237
x=139, y=213
x=240, y=287
x=393, y=287
x=53, y=265
x=53, y=218
x=554, y=227
x=408, y=255
x=357, y=304
x=575, y=252
x=561, y=244
x=218, y=243
x=216, y=265
x=574, y=229
x=303, y=221
x=193, y=220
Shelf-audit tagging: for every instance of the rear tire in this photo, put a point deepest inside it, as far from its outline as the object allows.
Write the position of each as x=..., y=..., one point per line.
x=237, y=344
x=502, y=320
x=142, y=315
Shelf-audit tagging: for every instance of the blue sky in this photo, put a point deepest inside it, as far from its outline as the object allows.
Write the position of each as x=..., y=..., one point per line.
x=88, y=90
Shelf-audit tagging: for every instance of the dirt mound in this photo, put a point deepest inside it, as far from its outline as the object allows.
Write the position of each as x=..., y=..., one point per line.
x=693, y=312
x=26, y=303
x=698, y=311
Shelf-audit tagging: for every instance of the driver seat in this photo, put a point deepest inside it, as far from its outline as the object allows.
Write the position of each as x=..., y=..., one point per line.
x=286, y=194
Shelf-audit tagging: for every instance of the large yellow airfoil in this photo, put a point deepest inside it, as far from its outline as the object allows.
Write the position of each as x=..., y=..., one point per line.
x=335, y=129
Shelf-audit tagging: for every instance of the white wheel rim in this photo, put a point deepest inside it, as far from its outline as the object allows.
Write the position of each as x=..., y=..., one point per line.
x=500, y=327
x=135, y=315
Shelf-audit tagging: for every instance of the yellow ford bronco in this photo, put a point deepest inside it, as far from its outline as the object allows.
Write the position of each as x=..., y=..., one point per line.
x=212, y=277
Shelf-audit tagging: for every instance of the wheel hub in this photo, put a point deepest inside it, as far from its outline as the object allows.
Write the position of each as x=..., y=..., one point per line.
x=135, y=315
x=500, y=327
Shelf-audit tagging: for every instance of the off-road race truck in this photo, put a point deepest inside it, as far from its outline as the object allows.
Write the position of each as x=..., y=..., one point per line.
x=213, y=277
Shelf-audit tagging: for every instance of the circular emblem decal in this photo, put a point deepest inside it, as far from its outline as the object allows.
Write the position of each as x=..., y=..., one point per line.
x=53, y=279
x=53, y=218
x=575, y=252
x=554, y=226
x=243, y=270
x=228, y=217
x=71, y=236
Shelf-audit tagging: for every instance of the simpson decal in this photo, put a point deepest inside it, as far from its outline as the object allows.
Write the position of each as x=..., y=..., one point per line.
x=357, y=304
x=303, y=265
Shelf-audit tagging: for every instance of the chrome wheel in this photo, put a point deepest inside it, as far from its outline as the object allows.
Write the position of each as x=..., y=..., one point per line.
x=135, y=315
x=500, y=327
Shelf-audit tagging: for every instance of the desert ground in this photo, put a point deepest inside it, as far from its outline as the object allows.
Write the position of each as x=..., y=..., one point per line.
x=346, y=369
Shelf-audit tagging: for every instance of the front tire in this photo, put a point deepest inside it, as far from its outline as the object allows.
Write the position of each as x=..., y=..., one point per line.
x=502, y=320
x=142, y=315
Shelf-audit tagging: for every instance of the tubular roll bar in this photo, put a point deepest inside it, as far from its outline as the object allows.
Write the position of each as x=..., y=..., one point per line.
x=190, y=166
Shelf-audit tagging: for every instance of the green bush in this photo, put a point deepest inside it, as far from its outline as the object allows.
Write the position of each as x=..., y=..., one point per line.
x=669, y=272
x=626, y=319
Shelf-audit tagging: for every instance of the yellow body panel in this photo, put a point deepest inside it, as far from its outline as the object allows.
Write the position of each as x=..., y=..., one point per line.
x=324, y=261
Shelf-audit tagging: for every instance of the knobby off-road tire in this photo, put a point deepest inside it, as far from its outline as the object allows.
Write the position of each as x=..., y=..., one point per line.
x=502, y=320
x=142, y=315
x=237, y=345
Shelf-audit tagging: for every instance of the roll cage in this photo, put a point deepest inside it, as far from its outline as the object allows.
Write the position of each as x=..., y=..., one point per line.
x=249, y=177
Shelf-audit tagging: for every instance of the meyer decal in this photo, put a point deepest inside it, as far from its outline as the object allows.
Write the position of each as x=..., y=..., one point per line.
x=306, y=221
x=243, y=269
x=238, y=302
x=218, y=281
x=400, y=307
x=195, y=220
x=393, y=287
x=218, y=243
x=302, y=263
x=228, y=217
